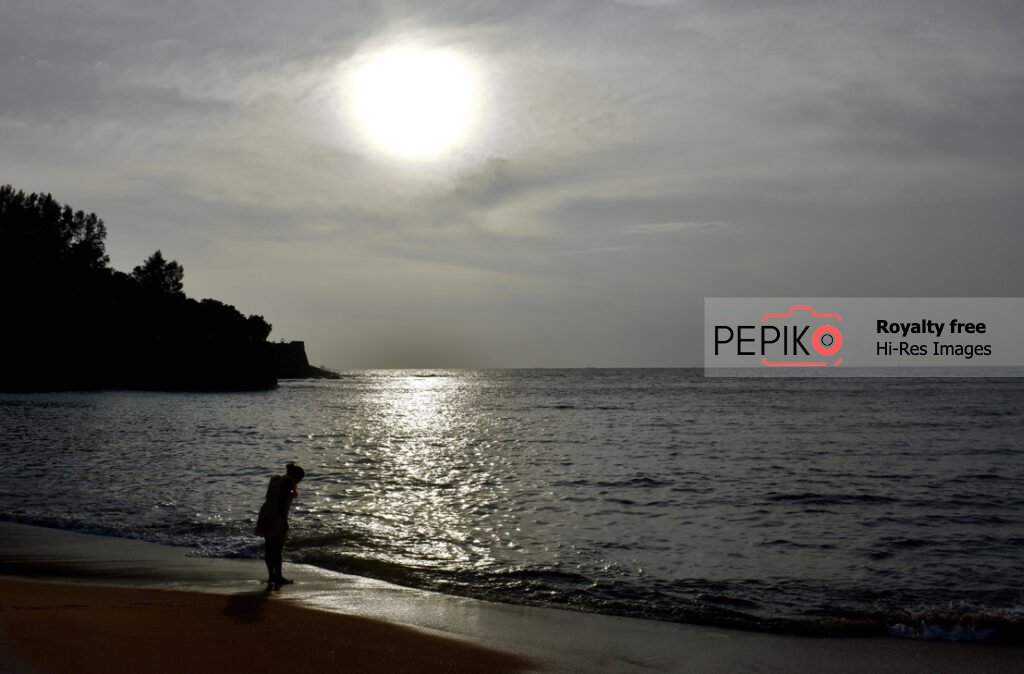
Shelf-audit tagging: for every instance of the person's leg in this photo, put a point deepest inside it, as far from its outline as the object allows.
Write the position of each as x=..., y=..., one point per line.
x=268, y=559
x=281, y=580
x=275, y=547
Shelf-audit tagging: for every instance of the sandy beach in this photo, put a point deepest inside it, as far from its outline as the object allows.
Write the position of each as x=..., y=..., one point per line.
x=51, y=627
x=118, y=605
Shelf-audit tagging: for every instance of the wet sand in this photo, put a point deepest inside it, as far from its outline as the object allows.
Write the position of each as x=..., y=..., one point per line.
x=117, y=605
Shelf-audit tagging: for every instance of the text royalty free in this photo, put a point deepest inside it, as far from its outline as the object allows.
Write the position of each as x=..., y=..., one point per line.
x=929, y=327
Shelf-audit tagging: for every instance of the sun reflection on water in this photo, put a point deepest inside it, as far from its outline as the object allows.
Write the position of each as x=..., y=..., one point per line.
x=439, y=483
x=419, y=407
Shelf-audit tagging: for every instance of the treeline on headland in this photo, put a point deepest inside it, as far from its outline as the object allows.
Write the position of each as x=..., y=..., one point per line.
x=70, y=321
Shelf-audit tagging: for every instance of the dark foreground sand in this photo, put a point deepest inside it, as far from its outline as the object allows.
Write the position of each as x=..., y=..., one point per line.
x=129, y=606
x=51, y=627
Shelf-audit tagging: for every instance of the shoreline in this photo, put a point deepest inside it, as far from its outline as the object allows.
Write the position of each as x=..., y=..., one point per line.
x=519, y=638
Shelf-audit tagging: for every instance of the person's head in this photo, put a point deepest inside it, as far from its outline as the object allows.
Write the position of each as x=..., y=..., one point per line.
x=295, y=472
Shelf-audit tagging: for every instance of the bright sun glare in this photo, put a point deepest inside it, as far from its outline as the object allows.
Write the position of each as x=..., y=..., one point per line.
x=415, y=103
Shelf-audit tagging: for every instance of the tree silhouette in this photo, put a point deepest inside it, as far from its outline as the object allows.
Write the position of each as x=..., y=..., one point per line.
x=258, y=328
x=41, y=240
x=159, y=275
x=70, y=321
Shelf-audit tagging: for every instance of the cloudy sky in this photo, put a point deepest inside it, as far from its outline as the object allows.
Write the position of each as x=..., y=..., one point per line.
x=615, y=162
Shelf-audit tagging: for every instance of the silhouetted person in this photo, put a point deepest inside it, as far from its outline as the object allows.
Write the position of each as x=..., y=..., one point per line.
x=272, y=523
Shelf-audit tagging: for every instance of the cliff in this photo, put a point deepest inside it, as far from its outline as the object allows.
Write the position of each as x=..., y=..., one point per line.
x=290, y=362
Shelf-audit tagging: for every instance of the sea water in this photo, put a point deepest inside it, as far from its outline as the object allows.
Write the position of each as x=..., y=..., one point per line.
x=840, y=506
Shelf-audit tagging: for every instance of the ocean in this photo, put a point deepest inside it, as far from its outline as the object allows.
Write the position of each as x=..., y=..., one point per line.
x=823, y=506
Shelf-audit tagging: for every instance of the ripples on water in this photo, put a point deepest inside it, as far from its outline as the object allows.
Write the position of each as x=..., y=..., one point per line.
x=849, y=505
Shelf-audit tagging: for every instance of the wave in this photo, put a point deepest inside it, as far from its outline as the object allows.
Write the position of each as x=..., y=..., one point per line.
x=712, y=603
x=639, y=481
x=831, y=499
x=709, y=603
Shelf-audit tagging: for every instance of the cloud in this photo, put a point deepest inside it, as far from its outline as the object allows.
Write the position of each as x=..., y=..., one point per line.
x=675, y=227
x=635, y=156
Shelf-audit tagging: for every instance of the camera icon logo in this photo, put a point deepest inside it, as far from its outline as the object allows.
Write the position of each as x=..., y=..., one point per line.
x=791, y=328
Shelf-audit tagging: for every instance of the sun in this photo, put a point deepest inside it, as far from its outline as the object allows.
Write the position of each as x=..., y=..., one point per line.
x=415, y=103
